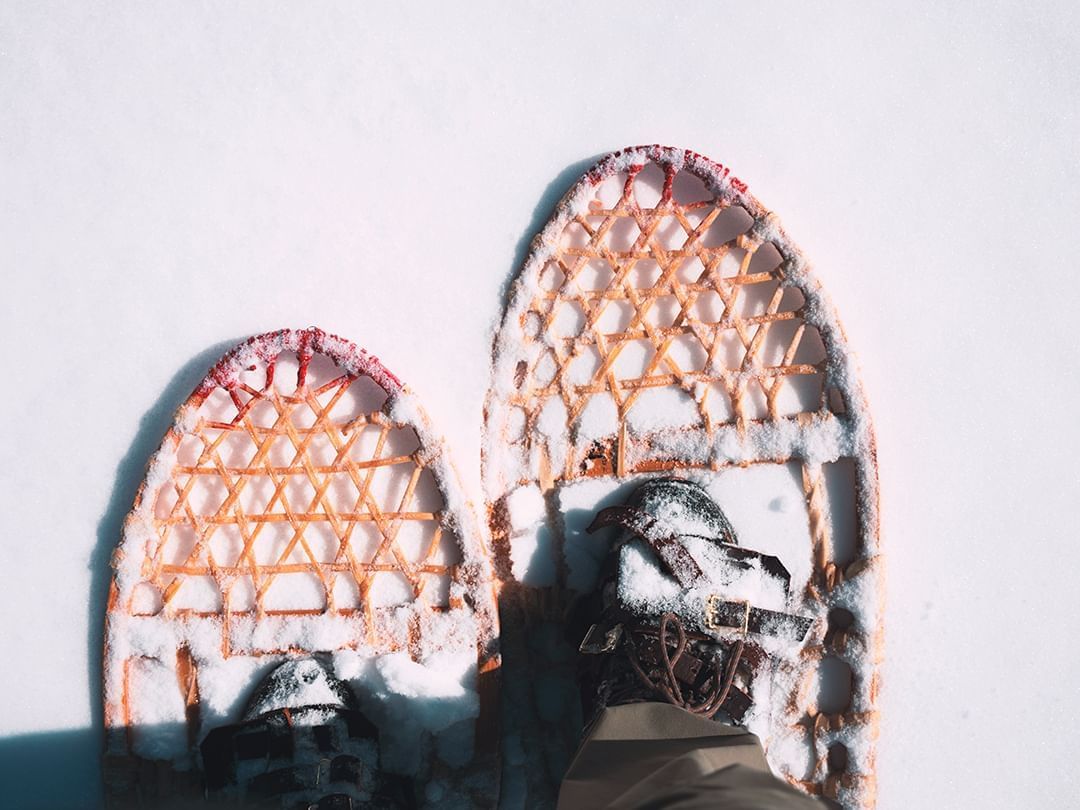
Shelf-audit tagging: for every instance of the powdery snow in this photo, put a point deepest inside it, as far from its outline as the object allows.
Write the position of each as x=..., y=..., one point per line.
x=531, y=552
x=417, y=704
x=158, y=715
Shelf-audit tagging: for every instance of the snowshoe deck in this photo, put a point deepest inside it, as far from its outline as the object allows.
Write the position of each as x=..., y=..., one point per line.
x=663, y=321
x=300, y=504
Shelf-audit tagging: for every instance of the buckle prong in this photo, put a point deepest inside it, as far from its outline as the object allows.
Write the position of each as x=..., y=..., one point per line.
x=597, y=642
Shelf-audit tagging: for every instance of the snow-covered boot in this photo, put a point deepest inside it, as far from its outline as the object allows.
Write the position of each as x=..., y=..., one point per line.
x=302, y=743
x=682, y=613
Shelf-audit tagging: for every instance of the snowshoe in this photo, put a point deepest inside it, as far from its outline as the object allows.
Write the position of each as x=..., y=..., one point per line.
x=665, y=324
x=300, y=505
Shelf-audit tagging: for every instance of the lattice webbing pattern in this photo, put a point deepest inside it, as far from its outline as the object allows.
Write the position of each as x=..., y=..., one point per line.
x=301, y=503
x=297, y=495
x=664, y=286
x=664, y=322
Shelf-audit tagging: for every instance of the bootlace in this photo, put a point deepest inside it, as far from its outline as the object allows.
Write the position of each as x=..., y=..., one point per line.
x=666, y=682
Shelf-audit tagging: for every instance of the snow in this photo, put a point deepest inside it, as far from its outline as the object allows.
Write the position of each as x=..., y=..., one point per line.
x=532, y=556
x=410, y=700
x=598, y=419
x=578, y=504
x=525, y=506
x=179, y=178
x=766, y=506
x=531, y=553
x=159, y=714
x=662, y=408
x=432, y=696
x=228, y=684
x=552, y=421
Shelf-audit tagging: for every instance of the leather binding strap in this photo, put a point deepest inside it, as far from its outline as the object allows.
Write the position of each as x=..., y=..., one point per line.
x=664, y=541
x=680, y=564
x=740, y=615
x=677, y=561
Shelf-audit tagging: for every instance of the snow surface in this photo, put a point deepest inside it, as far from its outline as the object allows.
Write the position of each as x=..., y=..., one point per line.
x=179, y=178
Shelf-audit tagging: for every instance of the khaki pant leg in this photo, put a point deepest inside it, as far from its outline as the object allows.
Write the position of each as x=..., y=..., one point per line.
x=655, y=755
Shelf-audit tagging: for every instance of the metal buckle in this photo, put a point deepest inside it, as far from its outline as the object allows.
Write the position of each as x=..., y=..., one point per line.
x=712, y=613
x=593, y=645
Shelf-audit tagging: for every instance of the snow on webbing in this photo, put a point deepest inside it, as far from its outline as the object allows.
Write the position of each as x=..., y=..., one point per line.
x=224, y=572
x=158, y=715
x=267, y=493
x=672, y=300
x=425, y=709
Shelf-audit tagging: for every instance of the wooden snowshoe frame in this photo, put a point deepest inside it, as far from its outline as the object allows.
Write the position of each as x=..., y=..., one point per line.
x=246, y=492
x=659, y=275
